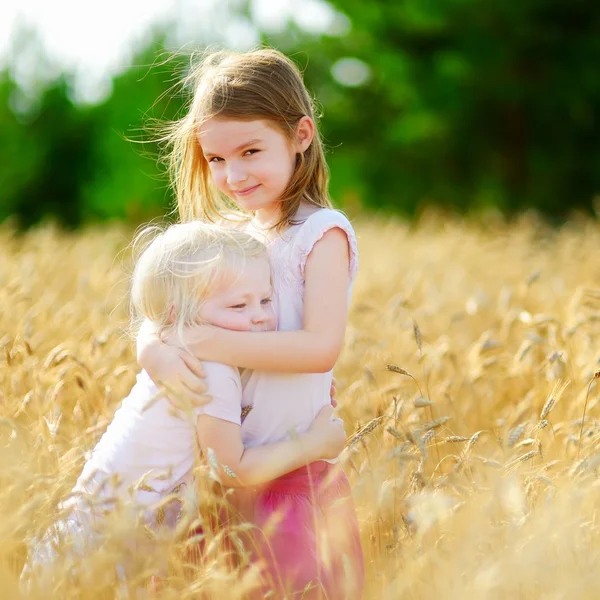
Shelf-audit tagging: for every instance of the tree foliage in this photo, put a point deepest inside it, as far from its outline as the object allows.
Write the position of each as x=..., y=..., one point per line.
x=469, y=103
x=465, y=104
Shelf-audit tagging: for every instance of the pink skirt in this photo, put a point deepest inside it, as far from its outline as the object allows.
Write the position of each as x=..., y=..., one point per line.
x=310, y=540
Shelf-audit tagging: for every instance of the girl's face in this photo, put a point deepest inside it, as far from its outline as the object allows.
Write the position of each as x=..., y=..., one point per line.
x=243, y=304
x=252, y=161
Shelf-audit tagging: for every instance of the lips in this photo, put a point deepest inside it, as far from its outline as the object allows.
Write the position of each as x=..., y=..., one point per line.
x=246, y=191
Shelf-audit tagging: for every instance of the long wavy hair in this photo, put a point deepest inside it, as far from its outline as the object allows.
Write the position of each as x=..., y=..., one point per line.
x=260, y=84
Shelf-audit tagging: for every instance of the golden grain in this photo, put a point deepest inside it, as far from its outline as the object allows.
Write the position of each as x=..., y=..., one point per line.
x=510, y=314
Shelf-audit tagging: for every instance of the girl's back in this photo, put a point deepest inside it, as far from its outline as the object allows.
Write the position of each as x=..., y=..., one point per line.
x=150, y=442
x=145, y=437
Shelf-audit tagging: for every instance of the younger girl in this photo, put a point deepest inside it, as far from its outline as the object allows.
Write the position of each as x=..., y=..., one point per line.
x=191, y=273
x=248, y=153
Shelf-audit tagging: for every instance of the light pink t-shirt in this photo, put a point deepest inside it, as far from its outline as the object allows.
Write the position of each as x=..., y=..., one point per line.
x=285, y=403
x=149, y=440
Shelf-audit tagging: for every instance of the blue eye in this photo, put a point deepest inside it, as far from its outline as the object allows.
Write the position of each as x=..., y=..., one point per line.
x=266, y=301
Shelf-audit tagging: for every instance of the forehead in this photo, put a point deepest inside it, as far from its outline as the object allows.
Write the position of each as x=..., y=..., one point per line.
x=255, y=276
x=226, y=134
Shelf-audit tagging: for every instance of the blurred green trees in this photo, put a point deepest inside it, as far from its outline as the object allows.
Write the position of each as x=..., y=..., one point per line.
x=461, y=103
x=82, y=163
x=46, y=157
x=468, y=104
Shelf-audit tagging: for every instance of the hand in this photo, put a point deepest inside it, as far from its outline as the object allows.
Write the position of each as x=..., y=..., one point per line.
x=177, y=371
x=326, y=435
x=334, y=402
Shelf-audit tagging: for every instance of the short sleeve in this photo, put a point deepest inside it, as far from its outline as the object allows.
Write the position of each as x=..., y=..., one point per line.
x=314, y=228
x=225, y=389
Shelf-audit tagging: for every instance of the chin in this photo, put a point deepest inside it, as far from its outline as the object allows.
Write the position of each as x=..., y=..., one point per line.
x=251, y=206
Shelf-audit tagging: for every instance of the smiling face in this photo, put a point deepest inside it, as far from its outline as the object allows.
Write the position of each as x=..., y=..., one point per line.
x=251, y=162
x=244, y=303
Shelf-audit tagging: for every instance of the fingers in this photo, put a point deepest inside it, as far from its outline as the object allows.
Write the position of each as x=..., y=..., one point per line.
x=194, y=390
x=332, y=389
x=332, y=392
x=181, y=397
x=325, y=413
x=193, y=364
x=183, y=379
x=191, y=381
x=193, y=385
x=182, y=401
x=199, y=400
x=340, y=423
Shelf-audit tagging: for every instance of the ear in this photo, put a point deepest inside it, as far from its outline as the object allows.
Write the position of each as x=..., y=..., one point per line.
x=305, y=132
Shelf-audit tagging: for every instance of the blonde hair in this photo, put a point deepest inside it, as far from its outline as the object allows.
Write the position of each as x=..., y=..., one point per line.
x=260, y=84
x=179, y=268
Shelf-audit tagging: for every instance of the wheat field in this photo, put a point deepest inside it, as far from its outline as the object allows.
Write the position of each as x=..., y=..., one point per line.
x=467, y=384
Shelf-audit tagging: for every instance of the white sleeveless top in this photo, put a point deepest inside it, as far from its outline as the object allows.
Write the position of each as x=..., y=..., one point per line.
x=147, y=451
x=285, y=403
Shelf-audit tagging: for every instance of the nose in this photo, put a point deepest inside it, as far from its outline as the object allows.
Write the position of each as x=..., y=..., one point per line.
x=260, y=315
x=235, y=174
x=263, y=318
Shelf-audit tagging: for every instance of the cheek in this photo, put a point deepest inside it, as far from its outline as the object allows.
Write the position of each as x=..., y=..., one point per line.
x=218, y=177
x=234, y=321
x=290, y=165
x=272, y=322
x=240, y=324
x=279, y=171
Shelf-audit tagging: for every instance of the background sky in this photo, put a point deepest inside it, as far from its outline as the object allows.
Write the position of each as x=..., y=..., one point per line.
x=95, y=39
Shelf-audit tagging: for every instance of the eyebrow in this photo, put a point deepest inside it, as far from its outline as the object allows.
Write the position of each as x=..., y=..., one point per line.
x=238, y=148
x=245, y=295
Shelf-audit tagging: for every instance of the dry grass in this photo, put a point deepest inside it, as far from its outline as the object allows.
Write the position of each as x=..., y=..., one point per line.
x=470, y=355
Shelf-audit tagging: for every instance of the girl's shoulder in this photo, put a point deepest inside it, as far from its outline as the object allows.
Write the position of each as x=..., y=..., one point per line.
x=225, y=391
x=315, y=217
x=313, y=226
x=311, y=229
x=221, y=380
x=218, y=372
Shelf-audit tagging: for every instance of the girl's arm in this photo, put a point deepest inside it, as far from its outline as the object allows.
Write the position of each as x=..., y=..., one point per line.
x=171, y=367
x=241, y=467
x=313, y=349
x=178, y=370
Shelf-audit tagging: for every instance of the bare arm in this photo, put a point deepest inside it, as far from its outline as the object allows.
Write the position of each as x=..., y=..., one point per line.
x=171, y=367
x=241, y=467
x=313, y=349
